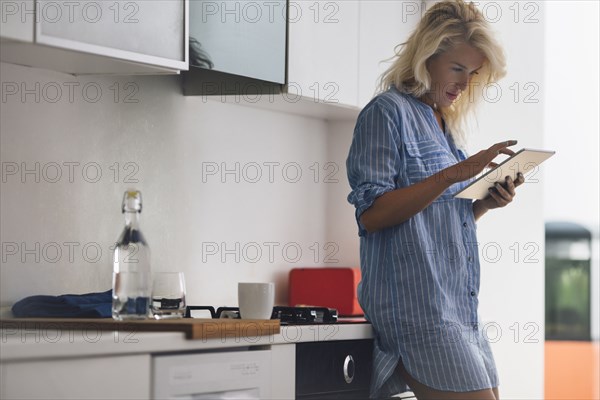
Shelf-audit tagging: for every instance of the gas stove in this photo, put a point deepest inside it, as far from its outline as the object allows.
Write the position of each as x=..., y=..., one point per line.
x=287, y=315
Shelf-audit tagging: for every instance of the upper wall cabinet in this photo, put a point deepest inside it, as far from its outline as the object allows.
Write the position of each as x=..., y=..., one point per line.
x=236, y=47
x=337, y=49
x=384, y=25
x=323, y=51
x=96, y=37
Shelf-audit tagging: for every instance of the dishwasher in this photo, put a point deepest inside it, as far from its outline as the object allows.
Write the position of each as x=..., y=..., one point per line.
x=226, y=375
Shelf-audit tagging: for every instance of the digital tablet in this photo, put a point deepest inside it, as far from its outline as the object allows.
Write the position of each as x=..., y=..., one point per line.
x=525, y=161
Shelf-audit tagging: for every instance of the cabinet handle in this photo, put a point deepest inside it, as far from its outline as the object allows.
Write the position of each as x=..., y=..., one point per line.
x=349, y=369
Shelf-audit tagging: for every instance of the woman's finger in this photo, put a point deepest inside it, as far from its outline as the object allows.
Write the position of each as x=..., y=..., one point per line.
x=502, y=145
x=507, y=151
x=492, y=165
x=520, y=179
x=503, y=192
x=510, y=186
x=494, y=195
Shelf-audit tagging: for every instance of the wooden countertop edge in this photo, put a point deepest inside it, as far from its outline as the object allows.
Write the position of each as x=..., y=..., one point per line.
x=194, y=328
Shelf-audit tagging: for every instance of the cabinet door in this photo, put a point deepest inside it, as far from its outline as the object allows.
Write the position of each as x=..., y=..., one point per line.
x=336, y=369
x=149, y=32
x=228, y=374
x=124, y=377
x=394, y=20
x=241, y=38
x=17, y=20
x=283, y=371
x=323, y=51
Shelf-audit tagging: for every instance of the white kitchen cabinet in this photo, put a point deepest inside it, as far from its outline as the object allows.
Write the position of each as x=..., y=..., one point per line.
x=71, y=364
x=96, y=37
x=394, y=20
x=323, y=51
x=335, y=54
x=242, y=374
x=116, y=377
x=12, y=25
x=283, y=371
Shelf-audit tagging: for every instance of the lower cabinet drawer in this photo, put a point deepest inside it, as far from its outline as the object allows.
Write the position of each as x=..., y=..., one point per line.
x=110, y=377
x=242, y=374
x=336, y=369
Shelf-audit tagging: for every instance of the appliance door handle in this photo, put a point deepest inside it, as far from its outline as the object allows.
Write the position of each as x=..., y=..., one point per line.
x=349, y=369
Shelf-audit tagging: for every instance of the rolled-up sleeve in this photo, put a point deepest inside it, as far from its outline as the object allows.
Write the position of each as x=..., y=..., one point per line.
x=373, y=162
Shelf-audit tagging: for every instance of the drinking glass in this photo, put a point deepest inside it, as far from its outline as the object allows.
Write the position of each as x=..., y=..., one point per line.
x=168, y=295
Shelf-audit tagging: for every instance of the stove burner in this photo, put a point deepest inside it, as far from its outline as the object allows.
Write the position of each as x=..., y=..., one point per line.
x=305, y=315
x=287, y=315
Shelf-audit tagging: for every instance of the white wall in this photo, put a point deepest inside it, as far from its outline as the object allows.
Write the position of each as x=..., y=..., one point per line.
x=169, y=139
x=572, y=105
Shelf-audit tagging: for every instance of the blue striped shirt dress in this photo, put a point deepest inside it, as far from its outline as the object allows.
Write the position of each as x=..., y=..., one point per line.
x=420, y=279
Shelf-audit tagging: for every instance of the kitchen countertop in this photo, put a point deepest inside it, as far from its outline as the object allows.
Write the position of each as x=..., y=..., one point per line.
x=30, y=344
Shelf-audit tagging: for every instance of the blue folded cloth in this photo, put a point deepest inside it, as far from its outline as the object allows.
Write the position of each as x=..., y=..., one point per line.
x=89, y=305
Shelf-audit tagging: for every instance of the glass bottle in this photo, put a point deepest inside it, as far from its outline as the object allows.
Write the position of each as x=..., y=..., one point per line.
x=131, y=265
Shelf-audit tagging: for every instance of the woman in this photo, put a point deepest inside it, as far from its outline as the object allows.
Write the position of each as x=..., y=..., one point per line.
x=418, y=245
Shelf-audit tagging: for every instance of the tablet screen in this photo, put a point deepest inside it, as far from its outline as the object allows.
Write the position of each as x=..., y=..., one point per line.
x=525, y=161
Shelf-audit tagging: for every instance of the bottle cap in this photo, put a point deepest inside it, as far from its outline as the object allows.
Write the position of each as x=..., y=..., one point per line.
x=132, y=201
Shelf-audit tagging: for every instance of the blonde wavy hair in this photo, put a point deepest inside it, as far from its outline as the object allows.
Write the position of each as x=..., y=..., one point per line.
x=443, y=26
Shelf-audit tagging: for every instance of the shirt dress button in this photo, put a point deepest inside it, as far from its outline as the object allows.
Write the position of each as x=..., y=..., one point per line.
x=470, y=259
x=472, y=293
x=465, y=224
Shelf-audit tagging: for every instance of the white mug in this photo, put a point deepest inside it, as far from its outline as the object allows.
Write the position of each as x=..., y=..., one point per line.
x=256, y=300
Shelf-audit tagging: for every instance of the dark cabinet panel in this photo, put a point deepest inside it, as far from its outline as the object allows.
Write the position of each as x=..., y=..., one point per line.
x=336, y=369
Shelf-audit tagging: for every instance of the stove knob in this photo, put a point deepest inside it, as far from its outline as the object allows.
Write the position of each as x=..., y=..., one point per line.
x=349, y=369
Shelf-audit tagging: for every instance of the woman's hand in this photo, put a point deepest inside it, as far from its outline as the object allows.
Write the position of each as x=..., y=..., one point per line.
x=476, y=163
x=500, y=195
